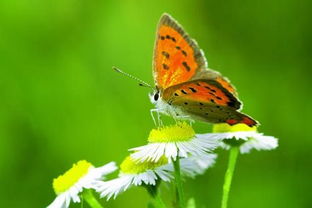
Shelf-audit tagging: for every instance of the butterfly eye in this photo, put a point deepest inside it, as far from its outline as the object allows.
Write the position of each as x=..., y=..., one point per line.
x=156, y=96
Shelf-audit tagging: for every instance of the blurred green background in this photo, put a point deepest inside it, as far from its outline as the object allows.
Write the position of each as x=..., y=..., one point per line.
x=61, y=102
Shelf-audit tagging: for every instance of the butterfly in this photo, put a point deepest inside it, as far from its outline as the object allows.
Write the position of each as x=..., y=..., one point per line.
x=185, y=86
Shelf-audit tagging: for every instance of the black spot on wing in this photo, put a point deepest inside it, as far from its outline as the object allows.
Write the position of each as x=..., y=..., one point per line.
x=165, y=66
x=231, y=104
x=165, y=54
x=170, y=38
x=183, y=91
x=187, y=67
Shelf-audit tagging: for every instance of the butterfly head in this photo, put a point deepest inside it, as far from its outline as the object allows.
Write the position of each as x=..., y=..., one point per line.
x=154, y=96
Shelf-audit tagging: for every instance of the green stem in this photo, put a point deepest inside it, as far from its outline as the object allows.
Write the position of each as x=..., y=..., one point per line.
x=154, y=193
x=158, y=202
x=229, y=175
x=90, y=199
x=178, y=183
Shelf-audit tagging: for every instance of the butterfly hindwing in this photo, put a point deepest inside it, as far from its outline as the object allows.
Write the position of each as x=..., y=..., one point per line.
x=177, y=57
x=201, y=91
x=208, y=101
x=214, y=75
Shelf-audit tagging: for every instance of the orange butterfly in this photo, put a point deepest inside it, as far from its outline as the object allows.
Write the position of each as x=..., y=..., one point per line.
x=185, y=87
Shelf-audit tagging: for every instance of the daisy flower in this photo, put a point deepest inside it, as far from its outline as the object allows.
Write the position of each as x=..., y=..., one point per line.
x=134, y=174
x=149, y=173
x=247, y=138
x=81, y=176
x=173, y=141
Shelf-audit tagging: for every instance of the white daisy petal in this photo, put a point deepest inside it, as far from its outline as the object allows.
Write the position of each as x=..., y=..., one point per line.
x=193, y=166
x=74, y=195
x=113, y=187
x=171, y=150
x=244, y=135
x=259, y=142
x=67, y=199
x=164, y=174
x=59, y=202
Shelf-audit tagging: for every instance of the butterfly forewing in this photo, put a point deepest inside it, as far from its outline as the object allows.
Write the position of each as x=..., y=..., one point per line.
x=177, y=58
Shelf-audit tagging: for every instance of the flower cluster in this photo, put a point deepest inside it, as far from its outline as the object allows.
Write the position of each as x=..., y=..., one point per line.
x=171, y=151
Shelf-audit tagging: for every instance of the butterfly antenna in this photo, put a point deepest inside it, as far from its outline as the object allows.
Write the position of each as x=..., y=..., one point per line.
x=141, y=82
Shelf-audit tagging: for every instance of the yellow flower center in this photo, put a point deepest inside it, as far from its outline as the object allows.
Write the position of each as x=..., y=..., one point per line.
x=224, y=127
x=131, y=166
x=175, y=133
x=70, y=177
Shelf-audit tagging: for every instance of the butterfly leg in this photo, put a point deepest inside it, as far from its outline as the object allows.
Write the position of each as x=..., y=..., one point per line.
x=159, y=121
x=152, y=114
